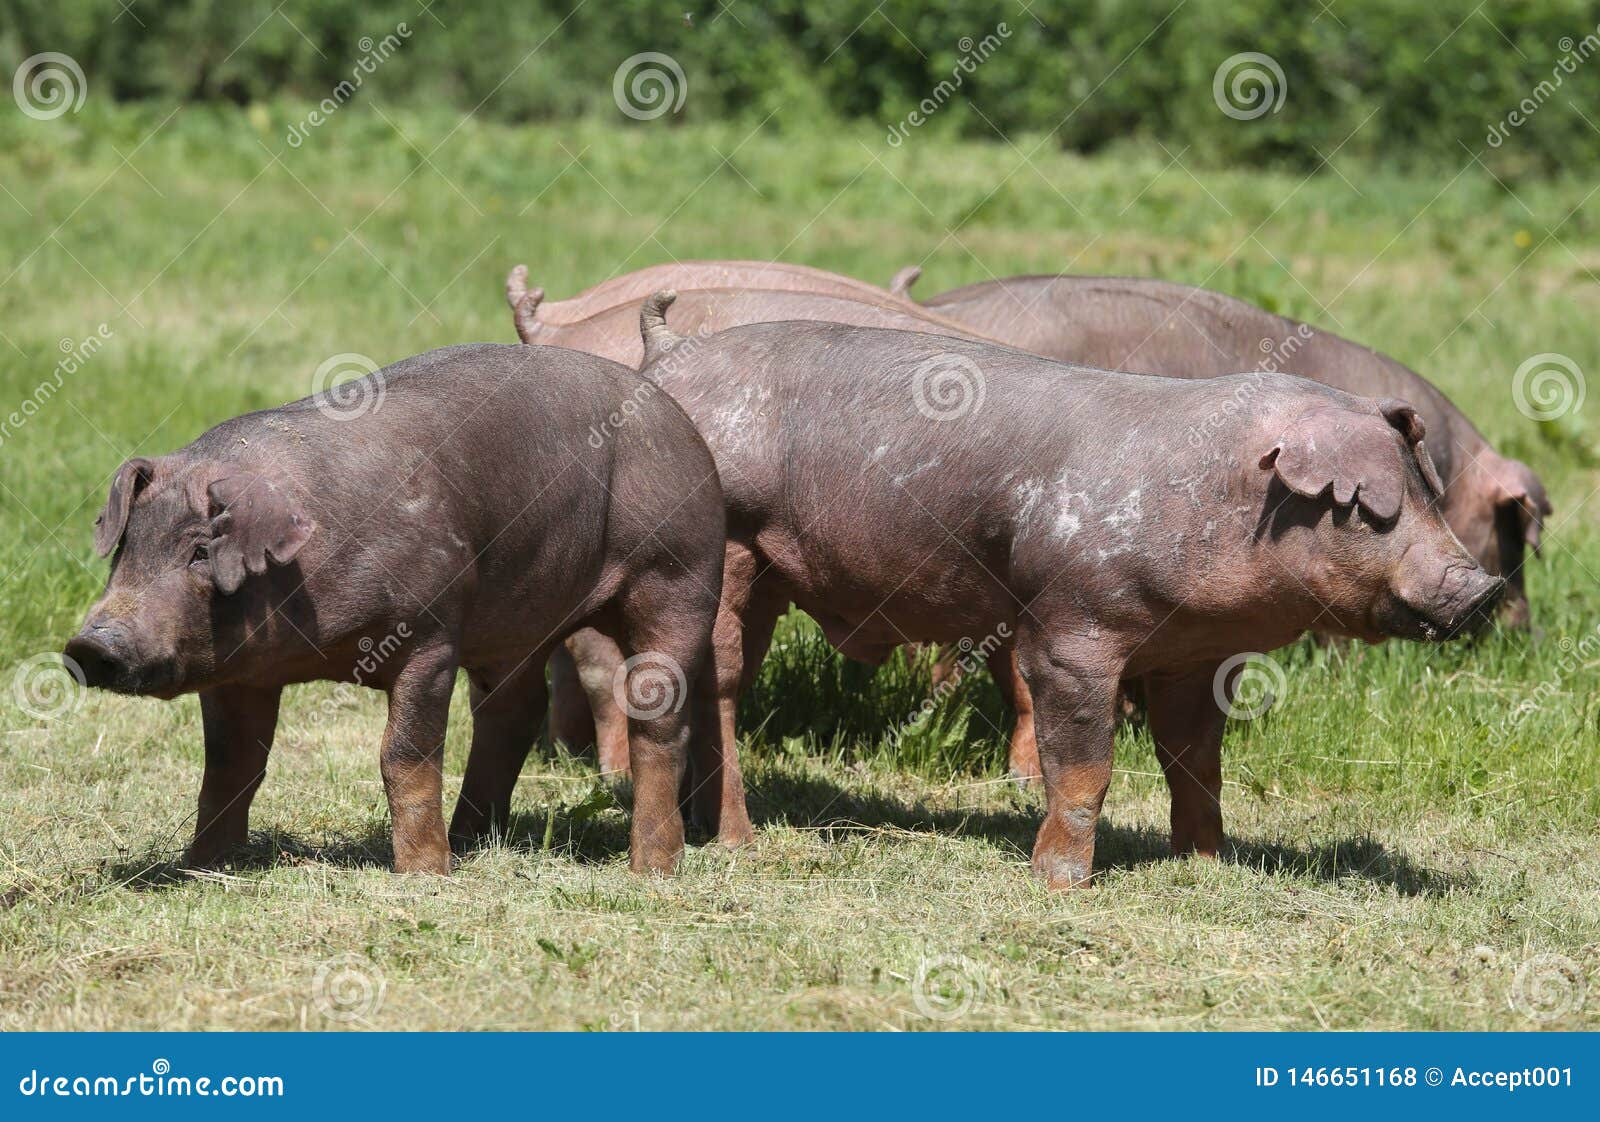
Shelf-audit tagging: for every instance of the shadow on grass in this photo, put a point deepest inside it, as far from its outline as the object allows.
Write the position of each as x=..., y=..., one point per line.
x=805, y=800
x=809, y=801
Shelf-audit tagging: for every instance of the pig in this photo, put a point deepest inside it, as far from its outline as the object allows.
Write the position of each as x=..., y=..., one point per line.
x=904, y=487
x=611, y=327
x=1495, y=505
x=631, y=288
x=451, y=511
x=605, y=321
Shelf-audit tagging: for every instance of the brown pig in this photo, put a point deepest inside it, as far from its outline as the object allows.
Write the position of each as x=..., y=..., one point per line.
x=1493, y=504
x=904, y=487
x=605, y=320
x=452, y=511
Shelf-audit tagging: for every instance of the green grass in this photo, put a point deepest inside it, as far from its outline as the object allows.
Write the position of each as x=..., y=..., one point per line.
x=1393, y=861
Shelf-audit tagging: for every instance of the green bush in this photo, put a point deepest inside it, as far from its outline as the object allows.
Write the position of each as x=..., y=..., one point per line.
x=1410, y=80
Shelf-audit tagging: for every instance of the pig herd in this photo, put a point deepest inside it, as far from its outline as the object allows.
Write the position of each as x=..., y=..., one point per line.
x=1099, y=482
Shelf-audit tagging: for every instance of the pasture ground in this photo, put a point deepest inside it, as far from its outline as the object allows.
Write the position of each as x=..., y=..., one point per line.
x=1395, y=862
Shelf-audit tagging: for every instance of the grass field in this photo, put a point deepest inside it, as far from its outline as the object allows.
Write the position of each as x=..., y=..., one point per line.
x=1404, y=854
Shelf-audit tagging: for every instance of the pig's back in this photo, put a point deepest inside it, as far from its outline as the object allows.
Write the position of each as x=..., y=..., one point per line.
x=614, y=332
x=1159, y=327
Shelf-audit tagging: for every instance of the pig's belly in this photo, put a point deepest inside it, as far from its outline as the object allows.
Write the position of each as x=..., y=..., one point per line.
x=870, y=601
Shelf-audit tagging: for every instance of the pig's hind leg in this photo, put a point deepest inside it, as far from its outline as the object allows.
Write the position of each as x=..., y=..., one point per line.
x=595, y=658
x=239, y=724
x=412, y=759
x=1186, y=720
x=507, y=708
x=664, y=623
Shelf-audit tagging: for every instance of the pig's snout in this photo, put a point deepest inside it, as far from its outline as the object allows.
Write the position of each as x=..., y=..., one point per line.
x=1445, y=596
x=1481, y=595
x=105, y=654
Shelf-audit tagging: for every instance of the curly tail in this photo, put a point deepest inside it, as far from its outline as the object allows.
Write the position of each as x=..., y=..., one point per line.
x=658, y=337
x=901, y=284
x=524, y=303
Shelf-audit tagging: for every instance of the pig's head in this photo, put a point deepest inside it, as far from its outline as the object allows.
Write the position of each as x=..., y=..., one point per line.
x=1497, y=508
x=1353, y=509
x=186, y=537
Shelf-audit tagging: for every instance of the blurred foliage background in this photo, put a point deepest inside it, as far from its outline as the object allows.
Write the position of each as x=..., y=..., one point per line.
x=1412, y=80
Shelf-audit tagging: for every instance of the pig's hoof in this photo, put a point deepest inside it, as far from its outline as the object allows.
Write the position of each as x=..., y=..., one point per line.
x=1062, y=873
x=736, y=836
x=429, y=864
x=1025, y=779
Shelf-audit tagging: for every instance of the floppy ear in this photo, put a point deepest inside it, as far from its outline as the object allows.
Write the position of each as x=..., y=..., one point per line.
x=1406, y=421
x=254, y=519
x=1355, y=455
x=1515, y=484
x=130, y=479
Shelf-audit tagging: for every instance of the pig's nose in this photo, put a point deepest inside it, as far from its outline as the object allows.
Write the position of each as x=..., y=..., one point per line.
x=1484, y=595
x=101, y=653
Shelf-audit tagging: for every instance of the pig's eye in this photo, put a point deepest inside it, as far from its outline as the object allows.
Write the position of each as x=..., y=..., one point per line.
x=202, y=554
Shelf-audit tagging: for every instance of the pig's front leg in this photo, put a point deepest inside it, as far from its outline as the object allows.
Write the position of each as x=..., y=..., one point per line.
x=1074, y=689
x=1186, y=720
x=412, y=760
x=239, y=724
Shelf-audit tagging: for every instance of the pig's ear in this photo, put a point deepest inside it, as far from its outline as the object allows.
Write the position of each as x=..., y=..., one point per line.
x=1516, y=485
x=1408, y=423
x=255, y=519
x=130, y=479
x=1352, y=454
